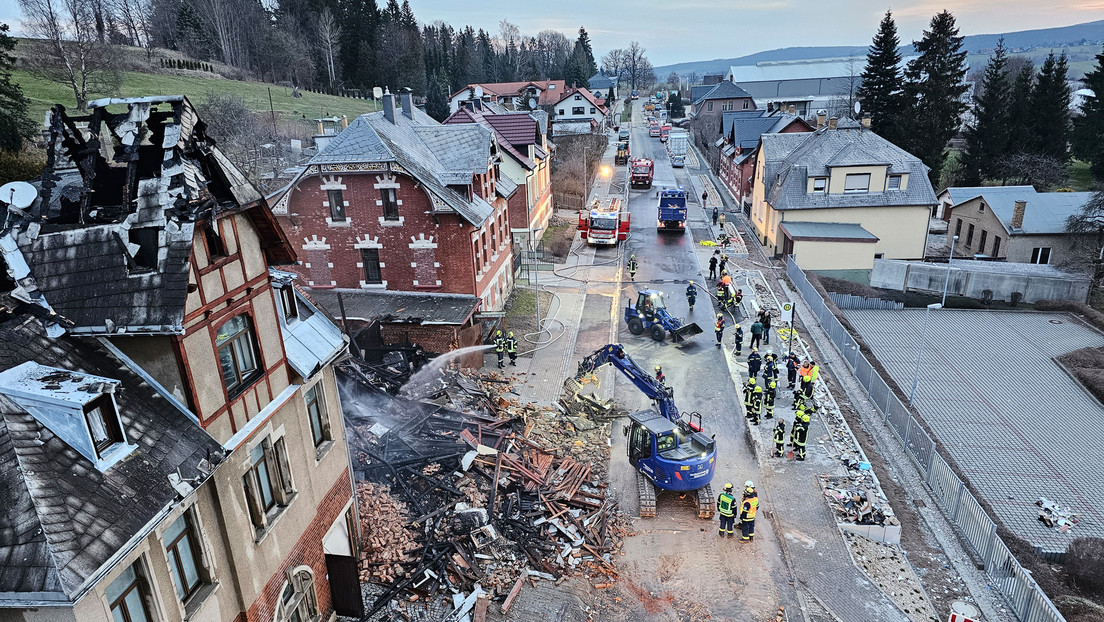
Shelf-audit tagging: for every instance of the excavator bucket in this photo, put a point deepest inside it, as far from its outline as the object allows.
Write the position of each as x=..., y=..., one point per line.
x=686, y=330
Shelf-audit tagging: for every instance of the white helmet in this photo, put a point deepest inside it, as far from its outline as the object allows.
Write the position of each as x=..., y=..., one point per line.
x=749, y=484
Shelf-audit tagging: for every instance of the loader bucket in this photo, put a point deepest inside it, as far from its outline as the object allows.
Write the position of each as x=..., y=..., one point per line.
x=686, y=330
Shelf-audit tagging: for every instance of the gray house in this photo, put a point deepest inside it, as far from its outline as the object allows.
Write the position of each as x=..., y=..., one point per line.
x=601, y=83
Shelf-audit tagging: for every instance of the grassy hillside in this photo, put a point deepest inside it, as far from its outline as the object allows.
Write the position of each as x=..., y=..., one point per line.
x=44, y=94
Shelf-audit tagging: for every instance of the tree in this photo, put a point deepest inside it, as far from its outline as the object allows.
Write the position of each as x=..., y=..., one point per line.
x=69, y=50
x=1020, y=112
x=15, y=124
x=676, y=108
x=673, y=79
x=614, y=62
x=1051, y=102
x=585, y=53
x=881, y=88
x=1089, y=127
x=987, y=137
x=1043, y=172
x=842, y=105
x=329, y=41
x=934, y=86
x=637, y=67
x=1087, y=229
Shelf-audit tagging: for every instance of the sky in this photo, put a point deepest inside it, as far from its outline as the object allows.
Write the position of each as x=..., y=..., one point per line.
x=690, y=30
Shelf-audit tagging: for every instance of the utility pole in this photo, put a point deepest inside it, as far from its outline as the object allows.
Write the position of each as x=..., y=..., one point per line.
x=923, y=338
x=947, y=281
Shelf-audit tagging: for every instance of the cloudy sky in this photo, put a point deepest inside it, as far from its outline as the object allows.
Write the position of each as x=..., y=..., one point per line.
x=704, y=29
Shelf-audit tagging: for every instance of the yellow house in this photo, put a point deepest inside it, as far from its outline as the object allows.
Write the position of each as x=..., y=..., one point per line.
x=837, y=199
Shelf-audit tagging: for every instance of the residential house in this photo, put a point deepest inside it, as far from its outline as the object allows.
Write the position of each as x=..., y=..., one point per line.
x=741, y=131
x=523, y=138
x=1014, y=223
x=706, y=111
x=839, y=198
x=170, y=430
x=579, y=111
x=400, y=202
x=604, y=85
x=527, y=95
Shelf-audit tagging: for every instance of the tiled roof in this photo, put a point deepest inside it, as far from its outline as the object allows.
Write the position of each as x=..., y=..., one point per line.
x=587, y=95
x=61, y=519
x=435, y=154
x=723, y=90
x=1046, y=212
x=790, y=159
x=550, y=90
x=601, y=81
x=698, y=91
x=744, y=127
x=411, y=307
x=519, y=129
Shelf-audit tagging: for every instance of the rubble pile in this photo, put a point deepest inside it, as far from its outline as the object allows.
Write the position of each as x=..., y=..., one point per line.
x=466, y=491
x=856, y=503
x=1051, y=514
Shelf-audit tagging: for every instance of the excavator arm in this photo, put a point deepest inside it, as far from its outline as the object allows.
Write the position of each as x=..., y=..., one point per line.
x=614, y=354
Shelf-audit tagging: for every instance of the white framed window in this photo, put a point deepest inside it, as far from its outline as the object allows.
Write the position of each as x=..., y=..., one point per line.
x=103, y=424
x=1040, y=255
x=316, y=414
x=288, y=303
x=857, y=182
x=894, y=182
x=127, y=595
x=237, y=352
x=182, y=552
x=746, y=105
x=820, y=184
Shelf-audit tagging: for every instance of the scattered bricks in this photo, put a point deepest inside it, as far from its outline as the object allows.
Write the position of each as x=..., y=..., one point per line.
x=385, y=539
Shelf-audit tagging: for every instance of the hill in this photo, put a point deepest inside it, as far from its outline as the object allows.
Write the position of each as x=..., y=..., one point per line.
x=1032, y=43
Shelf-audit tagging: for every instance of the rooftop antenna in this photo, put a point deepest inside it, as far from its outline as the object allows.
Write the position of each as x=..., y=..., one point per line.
x=18, y=194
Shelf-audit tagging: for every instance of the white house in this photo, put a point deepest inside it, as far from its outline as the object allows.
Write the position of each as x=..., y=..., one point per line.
x=576, y=108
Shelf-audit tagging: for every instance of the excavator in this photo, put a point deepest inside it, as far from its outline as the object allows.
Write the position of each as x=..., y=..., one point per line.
x=668, y=450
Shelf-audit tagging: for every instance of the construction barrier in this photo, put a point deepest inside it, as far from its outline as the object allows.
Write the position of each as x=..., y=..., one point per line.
x=1026, y=600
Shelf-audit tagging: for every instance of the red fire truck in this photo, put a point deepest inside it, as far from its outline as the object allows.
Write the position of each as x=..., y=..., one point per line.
x=605, y=223
x=664, y=132
x=641, y=171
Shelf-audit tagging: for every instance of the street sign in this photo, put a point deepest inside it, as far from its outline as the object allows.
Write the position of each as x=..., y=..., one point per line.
x=958, y=617
x=787, y=312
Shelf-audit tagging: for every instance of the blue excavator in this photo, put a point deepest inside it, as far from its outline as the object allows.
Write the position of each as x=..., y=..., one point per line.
x=649, y=313
x=669, y=451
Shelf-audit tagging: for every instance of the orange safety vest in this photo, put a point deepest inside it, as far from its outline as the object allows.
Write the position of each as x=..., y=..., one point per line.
x=749, y=508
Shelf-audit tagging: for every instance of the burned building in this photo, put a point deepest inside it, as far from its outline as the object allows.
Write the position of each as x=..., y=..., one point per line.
x=182, y=396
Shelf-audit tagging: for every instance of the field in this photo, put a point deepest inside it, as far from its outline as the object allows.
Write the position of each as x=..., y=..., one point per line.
x=44, y=94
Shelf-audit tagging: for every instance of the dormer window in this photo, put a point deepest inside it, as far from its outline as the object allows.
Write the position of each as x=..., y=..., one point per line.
x=103, y=424
x=856, y=182
x=894, y=182
x=820, y=184
x=288, y=303
x=237, y=350
x=578, y=97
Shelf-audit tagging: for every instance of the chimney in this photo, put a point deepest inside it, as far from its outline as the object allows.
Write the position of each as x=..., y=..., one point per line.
x=389, y=107
x=792, y=109
x=833, y=123
x=344, y=121
x=866, y=121
x=321, y=130
x=1018, y=214
x=407, y=103
x=821, y=118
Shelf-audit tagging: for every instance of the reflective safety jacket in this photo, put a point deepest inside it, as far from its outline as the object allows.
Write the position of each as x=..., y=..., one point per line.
x=726, y=504
x=511, y=345
x=632, y=265
x=780, y=432
x=691, y=292
x=500, y=344
x=749, y=507
x=720, y=325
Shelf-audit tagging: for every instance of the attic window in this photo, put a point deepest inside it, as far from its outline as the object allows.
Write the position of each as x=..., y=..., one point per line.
x=288, y=303
x=103, y=424
x=894, y=182
x=820, y=184
x=857, y=182
x=215, y=247
x=146, y=239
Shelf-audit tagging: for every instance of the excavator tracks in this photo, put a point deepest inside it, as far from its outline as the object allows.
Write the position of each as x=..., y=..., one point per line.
x=705, y=502
x=647, y=493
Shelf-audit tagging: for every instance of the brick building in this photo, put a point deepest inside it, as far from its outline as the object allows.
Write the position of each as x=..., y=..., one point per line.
x=741, y=131
x=398, y=201
x=523, y=138
x=155, y=369
x=707, y=108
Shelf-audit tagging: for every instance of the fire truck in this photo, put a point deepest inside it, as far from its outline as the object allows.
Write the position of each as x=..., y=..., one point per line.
x=664, y=132
x=641, y=173
x=606, y=222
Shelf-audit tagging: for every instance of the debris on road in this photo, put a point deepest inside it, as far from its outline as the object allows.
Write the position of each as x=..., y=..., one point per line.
x=889, y=569
x=856, y=503
x=1051, y=514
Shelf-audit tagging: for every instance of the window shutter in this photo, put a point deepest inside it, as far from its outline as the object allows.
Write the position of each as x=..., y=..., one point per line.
x=285, y=483
x=253, y=500
x=323, y=415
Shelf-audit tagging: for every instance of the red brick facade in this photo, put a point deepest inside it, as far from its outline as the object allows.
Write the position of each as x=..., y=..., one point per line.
x=738, y=178
x=307, y=552
x=418, y=250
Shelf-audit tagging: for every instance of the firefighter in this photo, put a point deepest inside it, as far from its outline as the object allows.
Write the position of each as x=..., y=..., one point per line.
x=719, y=327
x=754, y=363
x=749, y=507
x=756, y=404
x=807, y=386
x=722, y=295
x=768, y=400
x=798, y=400
x=749, y=389
x=726, y=509
x=660, y=376
x=500, y=347
x=769, y=369
x=800, y=434
x=791, y=369
x=511, y=348
x=723, y=267
x=739, y=339
x=739, y=298
x=632, y=267
x=713, y=265
x=779, y=439
x=691, y=294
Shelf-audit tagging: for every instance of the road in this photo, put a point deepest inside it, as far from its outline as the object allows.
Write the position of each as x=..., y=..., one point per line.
x=676, y=565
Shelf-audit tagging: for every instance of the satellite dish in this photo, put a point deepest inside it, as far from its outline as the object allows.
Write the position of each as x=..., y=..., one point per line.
x=532, y=103
x=18, y=194
x=478, y=92
x=858, y=107
x=377, y=92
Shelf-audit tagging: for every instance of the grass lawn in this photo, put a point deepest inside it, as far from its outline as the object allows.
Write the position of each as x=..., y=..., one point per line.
x=43, y=94
x=521, y=310
x=1080, y=177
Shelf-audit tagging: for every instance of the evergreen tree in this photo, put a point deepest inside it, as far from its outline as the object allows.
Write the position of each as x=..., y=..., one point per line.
x=1089, y=127
x=987, y=137
x=934, y=86
x=880, y=90
x=585, y=53
x=1050, y=104
x=15, y=124
x=1019, y=110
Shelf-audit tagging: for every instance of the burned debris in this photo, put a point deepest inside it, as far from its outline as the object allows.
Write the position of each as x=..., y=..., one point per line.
x=466, y=494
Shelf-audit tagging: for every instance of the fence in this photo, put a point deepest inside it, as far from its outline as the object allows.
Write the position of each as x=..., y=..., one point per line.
x=847, y=301
x=1027, y=601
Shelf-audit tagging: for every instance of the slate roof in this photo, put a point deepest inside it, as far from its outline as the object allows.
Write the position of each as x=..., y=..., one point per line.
x=835, y=231
x=601, y=81
x=405, y=307
x=436, y=155
x=790, y=159
x=90, y=273
x=744, y=127
x=722, y=90
x=698, y=91
x=505, y=187
x=512, y=129
x=61, y=518
x=1046, y=212
x=311, y=340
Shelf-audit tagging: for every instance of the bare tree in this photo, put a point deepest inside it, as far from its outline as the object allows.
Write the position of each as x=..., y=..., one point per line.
x=227, y=21
x=638, y=68
x=842, y=104
x=613, y=63
x=134, y=18
x=68, y=47
x=329, y=37
x=1029, y=169
x=1087, y=231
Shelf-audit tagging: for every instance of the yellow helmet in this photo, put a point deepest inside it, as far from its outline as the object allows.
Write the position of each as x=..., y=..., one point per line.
x=498, y=332
x=510, y=334
x=751, y=380
x=728, y=486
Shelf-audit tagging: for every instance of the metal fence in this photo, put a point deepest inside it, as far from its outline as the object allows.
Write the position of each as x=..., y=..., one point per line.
x=847, y=301
x=1026, y=600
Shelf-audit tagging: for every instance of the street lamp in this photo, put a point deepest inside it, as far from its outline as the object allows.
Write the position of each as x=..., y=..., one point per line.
x=923, y=338
x=947, y=281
